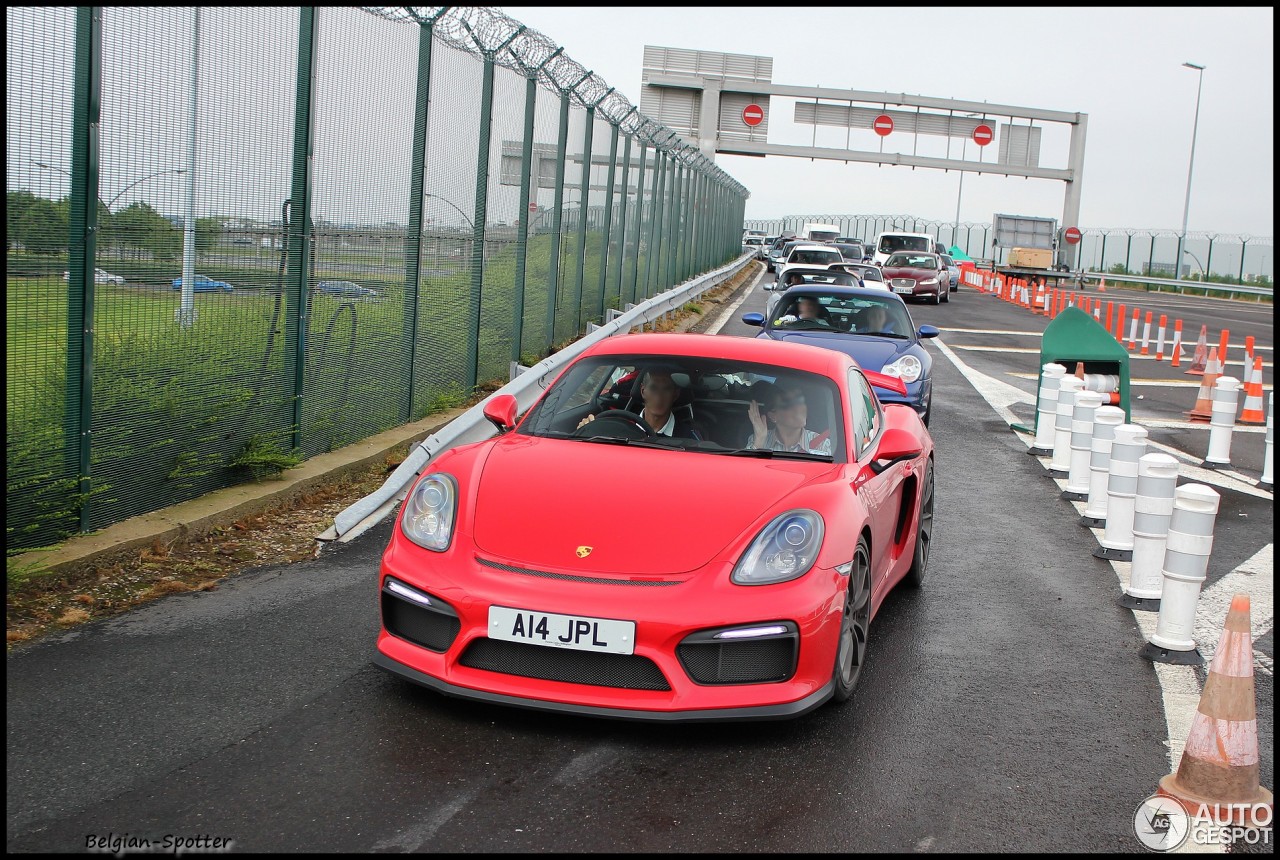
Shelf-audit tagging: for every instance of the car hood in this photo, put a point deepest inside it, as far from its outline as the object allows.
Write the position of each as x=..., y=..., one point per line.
x=641, y=511
x=871, y=353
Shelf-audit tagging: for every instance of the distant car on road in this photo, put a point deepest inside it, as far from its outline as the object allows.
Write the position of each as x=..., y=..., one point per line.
x=205, y=284
x=953, y=269
x=917, y=274
x=99, y=277
x=345, y=288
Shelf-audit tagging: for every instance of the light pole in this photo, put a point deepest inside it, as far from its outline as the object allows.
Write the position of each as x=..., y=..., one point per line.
x=455, y=208
x=964, y=148
x=1203, y=275
x=1186, y=207
x=107, y=205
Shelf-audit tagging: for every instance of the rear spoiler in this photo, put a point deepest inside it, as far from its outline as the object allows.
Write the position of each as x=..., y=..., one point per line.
x=889, y=383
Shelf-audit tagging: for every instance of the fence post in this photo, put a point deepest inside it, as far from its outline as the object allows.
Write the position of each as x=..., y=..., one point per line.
x=624, y=193
x=557, y=221
x=639, y=217
x=522, y=225
x=299, y=258
x=584, y=197
x=82, y=250
x=608, y=217
x=478, y=223
x=413, y=241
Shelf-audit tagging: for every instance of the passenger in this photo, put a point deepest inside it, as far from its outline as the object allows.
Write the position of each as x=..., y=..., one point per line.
x=876, y=320
x=659, y=392
x=807, y=309
x=784, y=407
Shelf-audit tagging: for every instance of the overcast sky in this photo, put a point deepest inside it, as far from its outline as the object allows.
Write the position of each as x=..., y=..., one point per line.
x=1121, y=66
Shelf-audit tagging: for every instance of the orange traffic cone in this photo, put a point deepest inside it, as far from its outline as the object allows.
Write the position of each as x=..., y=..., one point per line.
x=1219, y=764
x=1102, y=283
x=1177, y=344
x=1203, y=410
x=1202, y=353
x=1252, y=412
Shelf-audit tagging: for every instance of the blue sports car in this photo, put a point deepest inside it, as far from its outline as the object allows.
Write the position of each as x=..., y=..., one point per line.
x=872, y=326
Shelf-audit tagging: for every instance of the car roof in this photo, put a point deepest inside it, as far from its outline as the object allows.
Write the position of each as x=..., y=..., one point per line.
x=814, y=246
x=841, y=290
x=814, y=359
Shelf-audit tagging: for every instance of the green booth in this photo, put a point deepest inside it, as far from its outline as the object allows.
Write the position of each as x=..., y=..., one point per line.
x=1073, y=337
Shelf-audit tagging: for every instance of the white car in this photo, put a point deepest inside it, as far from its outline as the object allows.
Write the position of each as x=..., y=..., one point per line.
x=99, y=277
x=809, y=254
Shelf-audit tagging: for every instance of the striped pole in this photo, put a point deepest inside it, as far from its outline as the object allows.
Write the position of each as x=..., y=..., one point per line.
x=1152, y=508
x=1127, y=448
x=1120, y=325
x=1133, y=329
x=1160, y=339
x=1222, y=351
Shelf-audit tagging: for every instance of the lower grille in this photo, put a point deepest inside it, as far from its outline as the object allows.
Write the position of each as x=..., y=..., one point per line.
x=432, y=627
x=627, y=671
x=765, y=660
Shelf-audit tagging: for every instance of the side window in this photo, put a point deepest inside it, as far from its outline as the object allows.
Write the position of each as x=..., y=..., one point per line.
x=864, y=410
x=593, y=385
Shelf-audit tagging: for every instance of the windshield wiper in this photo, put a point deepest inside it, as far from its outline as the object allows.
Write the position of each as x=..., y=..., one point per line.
x=770, y=454
x=618, y=440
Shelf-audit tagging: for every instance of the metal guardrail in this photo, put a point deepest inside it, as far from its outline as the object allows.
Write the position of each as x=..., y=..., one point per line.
x=526, y=386
x=1179, y=286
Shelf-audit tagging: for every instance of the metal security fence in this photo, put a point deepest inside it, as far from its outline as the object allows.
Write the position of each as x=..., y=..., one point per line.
x=241, y=237
x=1224, y=257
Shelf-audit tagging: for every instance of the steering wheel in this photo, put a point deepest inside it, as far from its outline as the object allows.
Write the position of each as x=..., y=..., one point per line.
x=619, y=422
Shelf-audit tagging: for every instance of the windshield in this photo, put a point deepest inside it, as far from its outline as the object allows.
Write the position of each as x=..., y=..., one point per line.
x=698, y=404
x=889, y=244
x=816, y=310
x=814, y=256
x=912, y=261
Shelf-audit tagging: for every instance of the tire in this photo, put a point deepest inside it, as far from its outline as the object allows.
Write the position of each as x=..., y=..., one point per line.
x=937, y=298
x=851, y=647
x=946, y=297
x=924, y=531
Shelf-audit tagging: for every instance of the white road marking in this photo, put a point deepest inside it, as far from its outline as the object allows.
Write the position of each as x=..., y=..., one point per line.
x=1179, y=688
x=1255, y=578
x=728, y=312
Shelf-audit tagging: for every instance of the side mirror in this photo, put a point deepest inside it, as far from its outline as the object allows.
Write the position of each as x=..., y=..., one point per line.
x=501, y=410
x=753, y=319
x=896, y=446
x=927, y=331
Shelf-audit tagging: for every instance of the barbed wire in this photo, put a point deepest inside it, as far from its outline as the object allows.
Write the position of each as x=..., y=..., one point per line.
x=490, y=33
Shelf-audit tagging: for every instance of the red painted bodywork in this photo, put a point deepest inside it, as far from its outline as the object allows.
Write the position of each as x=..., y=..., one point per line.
x=918, y=275
x=675, y=516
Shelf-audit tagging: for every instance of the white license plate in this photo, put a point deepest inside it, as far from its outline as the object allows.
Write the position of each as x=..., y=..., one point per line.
x=907, y=290
x=575, y=632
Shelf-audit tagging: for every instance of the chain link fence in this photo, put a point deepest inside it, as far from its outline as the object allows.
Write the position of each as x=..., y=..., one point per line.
x=1221, y=257
x=241, y=237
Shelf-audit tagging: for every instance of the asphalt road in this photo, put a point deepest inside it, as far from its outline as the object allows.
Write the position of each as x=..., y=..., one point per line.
x=1005, y=707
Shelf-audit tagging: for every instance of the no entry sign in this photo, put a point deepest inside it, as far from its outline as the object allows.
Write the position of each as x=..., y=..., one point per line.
x=1072, y=235
x=753, y=115
x=982, y=135
x=533, y=207
x=883, y=124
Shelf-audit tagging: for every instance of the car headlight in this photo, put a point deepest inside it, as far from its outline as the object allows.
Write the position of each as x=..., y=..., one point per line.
x=785, y=549
x=928, y=281
x=907, y=368
x=429, y=512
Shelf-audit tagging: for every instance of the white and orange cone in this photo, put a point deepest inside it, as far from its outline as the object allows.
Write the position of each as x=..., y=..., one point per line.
x=1201, y=354
x=1203, y=410
x=1252, y=412
x=1219, y=764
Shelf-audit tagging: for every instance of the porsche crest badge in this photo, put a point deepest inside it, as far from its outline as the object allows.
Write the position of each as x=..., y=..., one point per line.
x=584, y=551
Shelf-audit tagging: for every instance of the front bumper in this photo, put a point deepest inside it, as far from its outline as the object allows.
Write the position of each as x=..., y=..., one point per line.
x=657, y=682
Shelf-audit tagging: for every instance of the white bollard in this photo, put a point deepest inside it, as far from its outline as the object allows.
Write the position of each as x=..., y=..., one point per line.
x=1186, y=564
x=1105, y=421
x=1127, y=448
x=1047, y=408
x=1087, y=403
x=1152, y=509
x=1267, y=481
x=1226, y=397
x=1061, y=459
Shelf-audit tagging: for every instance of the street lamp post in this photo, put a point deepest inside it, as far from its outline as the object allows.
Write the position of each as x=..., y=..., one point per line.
x=108, y=205
x=455, y=208
x=1186, y=207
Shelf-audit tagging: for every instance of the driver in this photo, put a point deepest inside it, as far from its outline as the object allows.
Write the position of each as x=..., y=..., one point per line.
x=659, y=392
x=807, y=309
